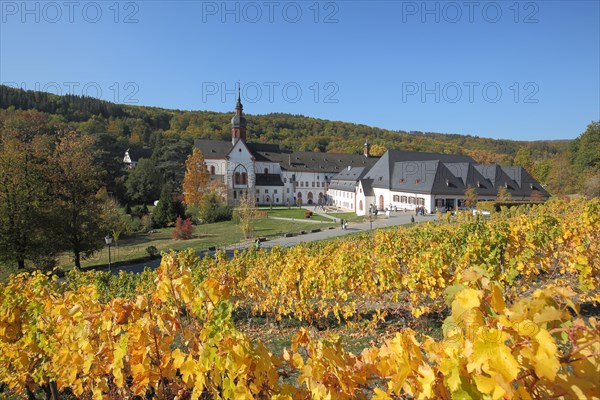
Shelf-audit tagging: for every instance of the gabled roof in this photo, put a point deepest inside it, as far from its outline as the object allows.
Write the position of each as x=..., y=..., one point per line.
x=291, y=160
x=348, y=178
x=412, y=176
x=403, y=155
x=212, y=149
x=367, y=186
x=382, y=172
x=526, y=183
x=470, y=175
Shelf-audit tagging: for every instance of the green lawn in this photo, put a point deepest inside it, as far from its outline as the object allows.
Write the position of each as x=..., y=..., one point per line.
x=350, y=216
x=219, y=234
x=297, y=213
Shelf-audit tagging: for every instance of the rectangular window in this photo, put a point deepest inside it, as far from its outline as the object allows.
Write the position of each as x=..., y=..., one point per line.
x=439, y=202
x=313, y=184
x=275, y=191
x=288, y=190
x=266, y=190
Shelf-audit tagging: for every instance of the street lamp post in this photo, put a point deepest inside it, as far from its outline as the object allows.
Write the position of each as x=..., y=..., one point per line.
x=108, y=239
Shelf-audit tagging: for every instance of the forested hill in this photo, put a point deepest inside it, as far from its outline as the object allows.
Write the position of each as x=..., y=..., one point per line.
x=136, y=123
x=169, y=133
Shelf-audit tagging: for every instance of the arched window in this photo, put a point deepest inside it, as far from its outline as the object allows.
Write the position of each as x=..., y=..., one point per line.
x=240, y=176
x=360, y=206
x=266, y=171
x=212, y=169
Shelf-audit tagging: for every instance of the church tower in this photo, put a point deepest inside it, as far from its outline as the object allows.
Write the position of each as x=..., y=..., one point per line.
x=367, y=149
x=238, y=122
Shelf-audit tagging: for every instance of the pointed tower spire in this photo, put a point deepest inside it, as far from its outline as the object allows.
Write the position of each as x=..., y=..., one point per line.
x=239, y=105
x=238, y=122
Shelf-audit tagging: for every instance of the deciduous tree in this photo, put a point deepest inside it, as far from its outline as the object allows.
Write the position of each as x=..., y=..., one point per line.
x=503, y=194
x=195, y=181
x=75, y=180
x=24, y=199
x=470, y=197
x=143, y=182
x=246, y=214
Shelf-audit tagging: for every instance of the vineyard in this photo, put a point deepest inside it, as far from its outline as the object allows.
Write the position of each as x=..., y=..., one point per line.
x=510, y=293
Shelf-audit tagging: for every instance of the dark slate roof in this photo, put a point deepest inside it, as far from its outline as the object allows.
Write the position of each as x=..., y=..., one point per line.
x=470, y=175
x=435, y=177
x=291, y=160
x=382, y=171
x=367, y=185
x=348, y=186
x=213, y=148
x=526, y=183
x=348, y=178
x=268, y=180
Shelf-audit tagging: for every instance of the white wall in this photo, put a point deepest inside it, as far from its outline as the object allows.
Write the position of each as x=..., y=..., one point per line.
x=305, y=183
x=270, y=195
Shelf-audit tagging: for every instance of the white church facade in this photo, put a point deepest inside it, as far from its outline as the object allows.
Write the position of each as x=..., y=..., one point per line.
x=271, y=174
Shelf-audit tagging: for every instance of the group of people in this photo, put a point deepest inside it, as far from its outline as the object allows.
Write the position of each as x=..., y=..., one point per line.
x=420, y=211
x=344, y=224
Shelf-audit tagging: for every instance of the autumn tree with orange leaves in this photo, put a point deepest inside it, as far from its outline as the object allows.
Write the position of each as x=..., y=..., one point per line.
x=196, y=179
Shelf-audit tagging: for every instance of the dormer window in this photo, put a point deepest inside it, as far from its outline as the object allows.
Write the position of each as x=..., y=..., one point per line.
x=478, y=184
x=447, y=182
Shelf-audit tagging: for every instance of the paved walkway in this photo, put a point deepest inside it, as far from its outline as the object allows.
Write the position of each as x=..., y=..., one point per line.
x=396, y=218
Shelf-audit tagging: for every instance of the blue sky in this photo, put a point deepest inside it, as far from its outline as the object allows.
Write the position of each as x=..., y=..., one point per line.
x=527, y=70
